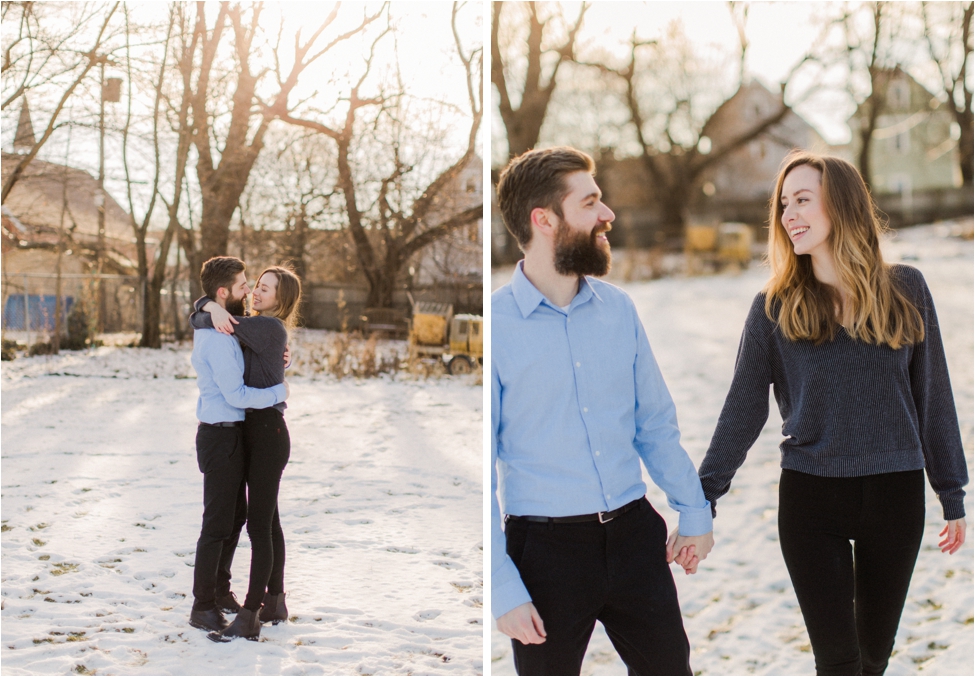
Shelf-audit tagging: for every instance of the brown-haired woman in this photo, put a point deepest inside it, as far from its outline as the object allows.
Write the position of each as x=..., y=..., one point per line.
x=852, y=349
x=267, y=444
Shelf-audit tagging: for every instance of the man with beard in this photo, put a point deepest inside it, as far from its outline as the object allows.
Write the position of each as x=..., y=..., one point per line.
x=219, y=365
x=577, y=402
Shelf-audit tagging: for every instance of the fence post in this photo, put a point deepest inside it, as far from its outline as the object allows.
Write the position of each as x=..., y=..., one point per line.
x=27, y=312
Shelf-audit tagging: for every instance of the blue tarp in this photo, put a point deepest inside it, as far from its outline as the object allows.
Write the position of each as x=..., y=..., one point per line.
x=41, y=311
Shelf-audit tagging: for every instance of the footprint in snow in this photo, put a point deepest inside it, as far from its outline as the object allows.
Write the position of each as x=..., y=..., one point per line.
x=427, y=615
x=447, y=564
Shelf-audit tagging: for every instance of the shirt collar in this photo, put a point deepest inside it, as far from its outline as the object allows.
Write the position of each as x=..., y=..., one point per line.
x=529, y=298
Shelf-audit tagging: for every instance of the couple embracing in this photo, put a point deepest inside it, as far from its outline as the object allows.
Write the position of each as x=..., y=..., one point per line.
x=242, y=442
x=851, y=348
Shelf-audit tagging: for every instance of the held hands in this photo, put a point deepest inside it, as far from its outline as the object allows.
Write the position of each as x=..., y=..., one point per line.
x=222, y=320
x=954, y=533
x=524, y=624
x=690, y=550
x=287, y=356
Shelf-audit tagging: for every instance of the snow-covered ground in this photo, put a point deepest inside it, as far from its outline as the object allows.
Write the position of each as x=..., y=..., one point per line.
x=380, y=503
x=740, y=611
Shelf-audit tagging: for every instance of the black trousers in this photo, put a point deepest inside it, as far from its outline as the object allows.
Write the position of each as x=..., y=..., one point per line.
x=851, y=596
x=220, y=456
x=268, y=447
x=616, y=573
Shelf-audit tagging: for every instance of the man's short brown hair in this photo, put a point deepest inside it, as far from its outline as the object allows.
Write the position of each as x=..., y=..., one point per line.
x=220, y=271
x=537, y=179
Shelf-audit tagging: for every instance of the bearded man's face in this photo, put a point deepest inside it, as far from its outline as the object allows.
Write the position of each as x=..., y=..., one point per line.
x=580, y=253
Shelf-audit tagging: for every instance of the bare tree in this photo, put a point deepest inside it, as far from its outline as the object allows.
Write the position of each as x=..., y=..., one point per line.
x=868, y=52
x=951, y=52
x=54, y=62
x=670, y=105
x=226, y=153
x=402, y=220
x=523, y=118
x=151, y=286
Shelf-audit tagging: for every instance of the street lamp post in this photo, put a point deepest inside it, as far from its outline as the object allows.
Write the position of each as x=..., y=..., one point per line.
x=110, y=91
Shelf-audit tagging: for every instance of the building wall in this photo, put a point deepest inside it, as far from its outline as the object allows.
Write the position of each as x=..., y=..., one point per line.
x=912, y=149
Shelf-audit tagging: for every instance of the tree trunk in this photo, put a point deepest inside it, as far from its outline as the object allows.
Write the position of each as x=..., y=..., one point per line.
x=966, y=145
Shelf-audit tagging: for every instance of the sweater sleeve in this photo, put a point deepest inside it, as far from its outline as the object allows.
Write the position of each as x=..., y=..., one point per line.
x=200, y=319
x=257, y=333
x=944, y=455
x=745, y=409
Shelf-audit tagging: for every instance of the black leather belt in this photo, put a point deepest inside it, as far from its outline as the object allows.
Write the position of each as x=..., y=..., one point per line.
x=223, y=424
x=601, y=517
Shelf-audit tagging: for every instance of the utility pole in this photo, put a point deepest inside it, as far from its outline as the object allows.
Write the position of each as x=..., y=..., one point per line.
x=111, y=91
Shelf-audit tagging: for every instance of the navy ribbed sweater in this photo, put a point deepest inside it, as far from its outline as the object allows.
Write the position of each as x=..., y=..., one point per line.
x=848, y=408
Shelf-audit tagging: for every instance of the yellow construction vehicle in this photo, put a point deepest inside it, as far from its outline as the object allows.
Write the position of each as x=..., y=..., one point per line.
x=718, y=246
x=436, y=332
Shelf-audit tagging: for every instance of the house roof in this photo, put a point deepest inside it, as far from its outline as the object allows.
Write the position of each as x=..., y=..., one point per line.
x=46, y=192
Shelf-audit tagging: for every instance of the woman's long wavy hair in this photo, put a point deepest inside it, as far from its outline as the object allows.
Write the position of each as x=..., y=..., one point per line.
x=878, y=311
x=288, y=295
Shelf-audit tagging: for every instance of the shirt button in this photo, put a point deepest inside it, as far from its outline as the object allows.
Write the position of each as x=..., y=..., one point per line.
x=597, y=453
x=608, y=496
x=585, y=409
x=578, y=364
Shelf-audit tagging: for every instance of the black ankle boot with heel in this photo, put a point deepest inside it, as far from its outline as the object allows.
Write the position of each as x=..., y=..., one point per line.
x=274, y=610
x=247, y=624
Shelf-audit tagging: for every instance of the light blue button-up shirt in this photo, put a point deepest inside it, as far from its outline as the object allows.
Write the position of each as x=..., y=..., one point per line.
x=219, y=365
x=577, y=400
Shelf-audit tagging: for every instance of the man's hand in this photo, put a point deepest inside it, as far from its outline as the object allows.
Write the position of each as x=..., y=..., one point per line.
x=287, y=356
x=689, y=551
x=524, y=624
x=222, y=320
x=954, y=533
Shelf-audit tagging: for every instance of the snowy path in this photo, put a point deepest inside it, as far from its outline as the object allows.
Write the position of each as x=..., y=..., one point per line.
x=740, y=611
x=381, y=507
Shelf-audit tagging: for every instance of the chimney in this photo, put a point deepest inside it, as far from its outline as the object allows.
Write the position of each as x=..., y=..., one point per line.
x=24, y=141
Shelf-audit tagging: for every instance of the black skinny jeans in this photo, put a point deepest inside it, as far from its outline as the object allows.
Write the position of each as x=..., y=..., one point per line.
x=851, y=597
x=268, y=447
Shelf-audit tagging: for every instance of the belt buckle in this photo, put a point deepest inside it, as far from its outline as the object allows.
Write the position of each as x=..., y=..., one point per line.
x=599, y=515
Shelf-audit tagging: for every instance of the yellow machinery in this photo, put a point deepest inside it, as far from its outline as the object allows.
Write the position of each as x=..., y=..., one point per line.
x=436, y=331
x=717, y=246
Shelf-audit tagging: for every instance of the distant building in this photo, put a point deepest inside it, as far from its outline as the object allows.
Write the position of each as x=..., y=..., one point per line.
x=457, y=258
x=52, y=201
x=736, y=188
x=51, y=197
x=912, y=149
x=748, y=173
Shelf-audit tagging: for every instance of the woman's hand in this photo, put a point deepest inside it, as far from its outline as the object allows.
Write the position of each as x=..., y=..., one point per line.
x=954, y=533
x=689, y=551
x=222, y=320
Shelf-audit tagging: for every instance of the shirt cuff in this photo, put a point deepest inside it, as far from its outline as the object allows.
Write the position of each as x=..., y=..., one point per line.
x=696, y=521
x=507, y=590
x=280, y=392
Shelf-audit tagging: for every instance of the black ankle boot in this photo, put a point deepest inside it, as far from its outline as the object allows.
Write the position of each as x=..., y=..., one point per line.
x=247, y=624
x=274, y=610
x=228, y=603
x=211, y=619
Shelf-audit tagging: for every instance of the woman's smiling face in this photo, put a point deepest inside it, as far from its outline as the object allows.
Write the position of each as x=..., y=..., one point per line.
x=265, y=297
x=803, y=216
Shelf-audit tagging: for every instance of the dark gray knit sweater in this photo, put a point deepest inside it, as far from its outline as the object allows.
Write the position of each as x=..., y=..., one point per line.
x=263, y=340
x=848, y=408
